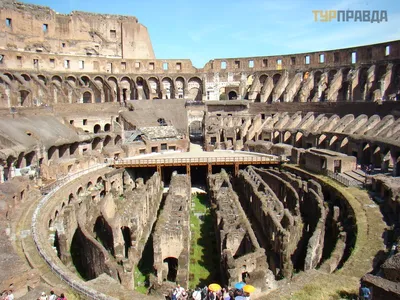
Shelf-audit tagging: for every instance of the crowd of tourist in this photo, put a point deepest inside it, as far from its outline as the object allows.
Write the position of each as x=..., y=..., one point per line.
x=52, y=296
x=8, y=295
x=207, y=293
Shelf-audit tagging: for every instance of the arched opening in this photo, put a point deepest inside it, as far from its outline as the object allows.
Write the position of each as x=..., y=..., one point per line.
x=333, y=143
x=323, y=141
x=57, y=244
x=196, y=129
x=317, y=79
x=89, y=185
x=180, y=87
x=107, y=127
x=104, y=89
x=85, y=81
x=172, y=263
x=195, y=88
x=126, y=233
x=43, y=79
x=275, y=137
x=71, y=80
x=106, y=141
x=376, y=157
x=167, y=88
x=100, y=184
x=196, y=132
x=387, y=162
x=154, y=86
x=51, y=152
x=71, y=198
x=87, y=97
x=25, y=98
x=18, y=163
x=139, y=81
x=331, y=75
x=26, y=77
x=29, y=158
x=298, y=140
x=275, y=79
x=96, y=128
x=96, y=143
x=344, y=146
x=366, y=154
x=360, y=91
x=79, y=192
x=118, y=140
x=286, y=137
x=72, y=148
x=344, y=92
x=104, y=234
x=232, y=95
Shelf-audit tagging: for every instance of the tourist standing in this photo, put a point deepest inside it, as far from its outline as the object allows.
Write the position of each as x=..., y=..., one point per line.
x=52, y=296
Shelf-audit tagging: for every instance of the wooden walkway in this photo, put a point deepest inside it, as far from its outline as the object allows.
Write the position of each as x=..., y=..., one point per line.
x=160, y=162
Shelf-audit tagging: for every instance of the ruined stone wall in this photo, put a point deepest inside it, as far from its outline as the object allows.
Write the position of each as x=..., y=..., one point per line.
x=241, y=254
x=305, y=205
x=110, y=214
x=39, y=29
x=340, y=220
x=171, y=237
x=275, y=224
x=305, y=198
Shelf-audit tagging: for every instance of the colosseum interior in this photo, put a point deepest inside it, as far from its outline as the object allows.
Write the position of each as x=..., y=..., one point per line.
x=117, y=167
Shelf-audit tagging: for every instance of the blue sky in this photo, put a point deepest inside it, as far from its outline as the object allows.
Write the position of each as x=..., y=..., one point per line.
x=208, y=29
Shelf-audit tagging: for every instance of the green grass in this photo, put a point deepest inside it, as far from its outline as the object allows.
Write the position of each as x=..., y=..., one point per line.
x=140, y=280
x=144, y=268
x=200, y=203
x=203, y=256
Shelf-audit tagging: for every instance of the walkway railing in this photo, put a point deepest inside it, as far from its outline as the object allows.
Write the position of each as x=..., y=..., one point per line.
x=342, y=179
x=76, y=285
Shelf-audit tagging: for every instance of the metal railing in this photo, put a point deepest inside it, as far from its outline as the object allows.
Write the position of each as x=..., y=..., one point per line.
x=76, y=285
x=343, y=180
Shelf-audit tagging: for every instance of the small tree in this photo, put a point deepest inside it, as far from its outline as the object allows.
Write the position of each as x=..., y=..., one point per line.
x=223, y=97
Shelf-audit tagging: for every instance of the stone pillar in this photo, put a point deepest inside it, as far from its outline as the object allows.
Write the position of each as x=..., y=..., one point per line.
x=12, y=172
x=1, y=174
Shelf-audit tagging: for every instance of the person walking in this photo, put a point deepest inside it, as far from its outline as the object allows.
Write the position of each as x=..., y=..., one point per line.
x=365, y=293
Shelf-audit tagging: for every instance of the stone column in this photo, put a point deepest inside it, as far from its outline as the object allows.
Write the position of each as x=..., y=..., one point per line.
x=1, y=174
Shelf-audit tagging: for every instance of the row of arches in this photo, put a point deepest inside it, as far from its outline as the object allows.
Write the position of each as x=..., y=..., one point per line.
x=347, y=84
x=36, y=90
x=106, y=128
x=383, y=157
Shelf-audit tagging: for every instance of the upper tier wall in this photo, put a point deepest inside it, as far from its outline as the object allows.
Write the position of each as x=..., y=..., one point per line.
x=339, y=108
x=28, y=27
x=333, y=58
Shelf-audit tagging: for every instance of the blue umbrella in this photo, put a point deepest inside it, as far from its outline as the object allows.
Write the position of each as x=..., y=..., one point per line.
x=239, y=285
